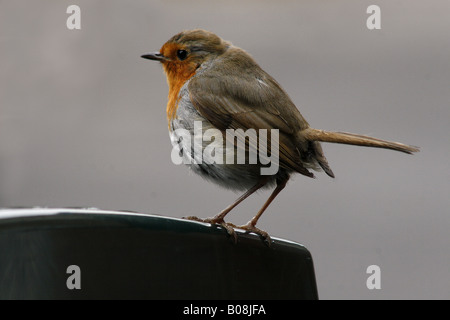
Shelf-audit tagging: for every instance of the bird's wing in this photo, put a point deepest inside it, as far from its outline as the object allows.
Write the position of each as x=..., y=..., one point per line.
x=245, y=100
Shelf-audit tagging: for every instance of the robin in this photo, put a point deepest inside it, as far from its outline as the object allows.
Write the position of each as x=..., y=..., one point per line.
x=220, y=86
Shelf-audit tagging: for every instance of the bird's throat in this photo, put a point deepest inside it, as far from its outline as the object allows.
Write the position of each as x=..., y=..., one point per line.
x=175, y=79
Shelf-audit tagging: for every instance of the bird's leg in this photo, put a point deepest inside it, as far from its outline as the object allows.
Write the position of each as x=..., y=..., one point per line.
x=251, y=225
x=219, y=218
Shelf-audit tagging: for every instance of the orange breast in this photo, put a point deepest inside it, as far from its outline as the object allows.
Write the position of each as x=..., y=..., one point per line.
x=177, y=72
x=174, y=97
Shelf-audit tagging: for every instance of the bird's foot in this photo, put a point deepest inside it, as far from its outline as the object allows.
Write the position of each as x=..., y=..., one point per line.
x=229, y=227
x=249, y=227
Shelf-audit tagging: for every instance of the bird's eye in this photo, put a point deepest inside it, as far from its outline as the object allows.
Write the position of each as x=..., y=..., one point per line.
x=182, y=54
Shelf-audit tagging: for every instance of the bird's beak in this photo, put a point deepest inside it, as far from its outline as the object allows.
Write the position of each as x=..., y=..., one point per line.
x=154, y=56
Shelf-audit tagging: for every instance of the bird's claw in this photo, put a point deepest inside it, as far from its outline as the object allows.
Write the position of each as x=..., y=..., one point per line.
x=249, y=227
x=229, y=227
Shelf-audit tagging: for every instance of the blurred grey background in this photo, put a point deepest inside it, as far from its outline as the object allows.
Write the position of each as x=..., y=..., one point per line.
x=82, y=123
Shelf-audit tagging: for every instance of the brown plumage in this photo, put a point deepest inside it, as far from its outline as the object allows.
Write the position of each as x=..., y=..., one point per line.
x=214, y=82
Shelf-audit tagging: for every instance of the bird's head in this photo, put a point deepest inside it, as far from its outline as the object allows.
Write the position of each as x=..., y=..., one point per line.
x=186, y=51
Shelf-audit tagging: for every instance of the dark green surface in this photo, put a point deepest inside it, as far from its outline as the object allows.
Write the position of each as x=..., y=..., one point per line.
x=133, y=256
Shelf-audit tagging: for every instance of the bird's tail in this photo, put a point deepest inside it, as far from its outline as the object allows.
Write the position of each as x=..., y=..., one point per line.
x=311, y=134
x=314, y=136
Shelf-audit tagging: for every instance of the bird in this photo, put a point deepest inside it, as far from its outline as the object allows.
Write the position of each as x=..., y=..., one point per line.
x=217, y=86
